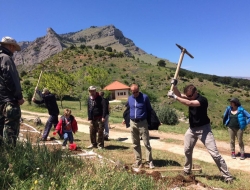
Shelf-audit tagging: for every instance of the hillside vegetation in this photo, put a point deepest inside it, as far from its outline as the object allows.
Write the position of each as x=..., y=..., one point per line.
x=153, y=80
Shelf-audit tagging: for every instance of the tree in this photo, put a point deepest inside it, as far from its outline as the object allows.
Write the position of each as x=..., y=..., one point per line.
x=59, y=83
x=28, y=90
x=78, y=91
x=97, y=76
x=161, y=63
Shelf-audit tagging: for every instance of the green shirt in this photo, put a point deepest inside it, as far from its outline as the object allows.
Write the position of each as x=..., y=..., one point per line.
x=233, y=121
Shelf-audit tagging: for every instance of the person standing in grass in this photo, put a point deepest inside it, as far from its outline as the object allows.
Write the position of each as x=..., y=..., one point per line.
x=236, y=119
x=50, y=102
x=66, y=127
x=199, y=128
x=106, y=122
x=139, y=113
x=11, y=96
x=97, y=112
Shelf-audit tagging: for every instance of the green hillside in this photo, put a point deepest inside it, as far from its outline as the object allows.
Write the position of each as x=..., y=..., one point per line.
x=153, y=80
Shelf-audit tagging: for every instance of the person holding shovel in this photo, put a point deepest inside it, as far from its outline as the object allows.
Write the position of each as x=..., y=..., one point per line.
x=66, y=127
x=49, y=100
x=199, y=128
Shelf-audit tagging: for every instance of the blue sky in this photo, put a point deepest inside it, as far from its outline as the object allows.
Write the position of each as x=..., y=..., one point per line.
x=215, y=32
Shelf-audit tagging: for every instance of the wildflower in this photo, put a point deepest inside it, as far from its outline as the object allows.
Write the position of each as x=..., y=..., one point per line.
x=35, y=182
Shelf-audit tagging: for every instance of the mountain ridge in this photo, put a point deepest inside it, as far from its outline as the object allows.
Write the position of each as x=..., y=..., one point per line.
x=41, y=48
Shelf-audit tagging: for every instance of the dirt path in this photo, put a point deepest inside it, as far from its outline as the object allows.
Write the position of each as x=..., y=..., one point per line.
x=119, y=132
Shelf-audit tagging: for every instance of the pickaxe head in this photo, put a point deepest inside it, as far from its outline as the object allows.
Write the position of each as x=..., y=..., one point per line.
x=184, y=50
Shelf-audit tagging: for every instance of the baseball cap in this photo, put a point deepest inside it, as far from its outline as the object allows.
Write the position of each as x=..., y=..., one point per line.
x=10, y=40
x=92, y=88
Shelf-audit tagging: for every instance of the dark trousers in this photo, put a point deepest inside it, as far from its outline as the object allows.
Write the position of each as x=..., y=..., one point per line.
x=53, y=120
x=97, y=126
x=68, y=136
x=10, y=115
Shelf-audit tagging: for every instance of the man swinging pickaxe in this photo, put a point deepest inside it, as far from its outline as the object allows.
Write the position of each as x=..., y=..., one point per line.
x=183, y=51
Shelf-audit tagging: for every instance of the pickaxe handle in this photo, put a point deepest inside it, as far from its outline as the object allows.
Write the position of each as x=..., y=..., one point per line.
x=183, y=51
x=38, y=83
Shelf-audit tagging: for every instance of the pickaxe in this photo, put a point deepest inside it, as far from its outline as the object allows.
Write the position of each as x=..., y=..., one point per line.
x=183, y=51
x=38, y=83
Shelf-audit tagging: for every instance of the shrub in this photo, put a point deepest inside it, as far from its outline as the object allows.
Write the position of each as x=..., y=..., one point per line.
x=23, y=73
x=109, y=49
x=167, y=115
x=82, y=46
x=200, y=79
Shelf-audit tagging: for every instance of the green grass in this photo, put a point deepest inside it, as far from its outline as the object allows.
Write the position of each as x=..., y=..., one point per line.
x=42, y=168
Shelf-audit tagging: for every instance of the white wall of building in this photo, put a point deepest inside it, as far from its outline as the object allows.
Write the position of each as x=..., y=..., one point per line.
x=121, y=94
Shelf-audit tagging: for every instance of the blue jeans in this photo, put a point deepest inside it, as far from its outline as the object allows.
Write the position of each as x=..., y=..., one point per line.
x=68, y=136
x=53, y=119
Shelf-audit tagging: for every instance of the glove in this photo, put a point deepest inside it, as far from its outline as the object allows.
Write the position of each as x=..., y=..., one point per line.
x=171, y=94
x=174, y=82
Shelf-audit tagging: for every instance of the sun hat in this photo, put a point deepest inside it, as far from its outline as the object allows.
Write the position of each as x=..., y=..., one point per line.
x=92, y=88
x=45, y=90
x=235, y=100
x=12, y=41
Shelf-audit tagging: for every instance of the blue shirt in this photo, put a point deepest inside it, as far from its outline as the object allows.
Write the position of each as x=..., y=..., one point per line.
x=139, y=106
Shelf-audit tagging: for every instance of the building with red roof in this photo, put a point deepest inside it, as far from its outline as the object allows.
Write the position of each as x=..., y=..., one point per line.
x=118, y=90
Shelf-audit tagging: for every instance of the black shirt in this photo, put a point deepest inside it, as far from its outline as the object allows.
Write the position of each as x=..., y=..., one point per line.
x=198, y=115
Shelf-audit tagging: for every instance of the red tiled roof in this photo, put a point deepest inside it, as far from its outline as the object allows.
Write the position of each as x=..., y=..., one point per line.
x=116, y=86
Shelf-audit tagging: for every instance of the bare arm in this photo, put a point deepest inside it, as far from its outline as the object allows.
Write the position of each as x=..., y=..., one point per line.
x=182, y=98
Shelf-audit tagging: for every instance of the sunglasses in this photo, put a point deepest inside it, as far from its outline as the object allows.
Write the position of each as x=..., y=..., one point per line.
x=134, y=92
x=191, y=95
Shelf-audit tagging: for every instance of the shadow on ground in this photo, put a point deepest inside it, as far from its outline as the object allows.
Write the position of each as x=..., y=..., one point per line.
x=116, y=147
x=162, y=163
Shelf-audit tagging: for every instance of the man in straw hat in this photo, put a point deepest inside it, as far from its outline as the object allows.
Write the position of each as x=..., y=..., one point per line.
x=10, y=92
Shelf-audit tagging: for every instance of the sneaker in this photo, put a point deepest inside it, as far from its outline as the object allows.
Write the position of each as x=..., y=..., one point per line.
x=100, y=147
x=136, y=165
x=233, y=155
x=91, y=146
x=242, y=156
x=151, y=165
x=229, y=181
x=63, y=147
x=43, y=139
